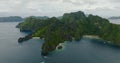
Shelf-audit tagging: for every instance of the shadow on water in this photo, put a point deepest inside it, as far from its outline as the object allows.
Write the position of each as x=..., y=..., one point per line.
x=26, y=32
x=96, y=42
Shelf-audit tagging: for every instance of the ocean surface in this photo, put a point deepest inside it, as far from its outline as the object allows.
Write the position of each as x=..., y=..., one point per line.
x=84, y=51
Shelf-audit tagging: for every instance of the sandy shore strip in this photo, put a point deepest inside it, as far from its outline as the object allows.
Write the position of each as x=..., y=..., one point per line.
x=35, y=37
x=91, y=36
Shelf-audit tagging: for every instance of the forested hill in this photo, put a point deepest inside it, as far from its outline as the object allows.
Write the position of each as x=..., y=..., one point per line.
x=11, y=19
x=71, y=26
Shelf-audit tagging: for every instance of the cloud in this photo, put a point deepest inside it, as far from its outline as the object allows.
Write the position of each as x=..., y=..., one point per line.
x=81, y=2
x=117, y=1
x=58, y=7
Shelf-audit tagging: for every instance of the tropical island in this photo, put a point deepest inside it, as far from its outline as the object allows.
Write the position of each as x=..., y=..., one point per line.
x=71, y=26
x=11, y=19
x=114, y=17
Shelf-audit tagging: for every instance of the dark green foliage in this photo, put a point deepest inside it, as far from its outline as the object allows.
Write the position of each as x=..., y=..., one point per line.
x=71, y=25
x=21, y=39
x=31, y=24
x=60, y=47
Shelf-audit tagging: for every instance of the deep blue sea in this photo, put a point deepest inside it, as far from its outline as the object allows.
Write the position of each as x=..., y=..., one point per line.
x=84, y=51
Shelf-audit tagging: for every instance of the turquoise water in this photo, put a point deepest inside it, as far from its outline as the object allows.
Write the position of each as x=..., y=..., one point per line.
x=84, y=51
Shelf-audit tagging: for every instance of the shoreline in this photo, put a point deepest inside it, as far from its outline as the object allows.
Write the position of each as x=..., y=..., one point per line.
x=91, y=36
x=35, y=37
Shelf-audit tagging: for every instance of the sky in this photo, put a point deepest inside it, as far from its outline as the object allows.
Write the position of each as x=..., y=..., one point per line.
x=25, y=8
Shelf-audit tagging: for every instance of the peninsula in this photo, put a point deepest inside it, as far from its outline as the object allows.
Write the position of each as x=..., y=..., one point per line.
x=70, y=25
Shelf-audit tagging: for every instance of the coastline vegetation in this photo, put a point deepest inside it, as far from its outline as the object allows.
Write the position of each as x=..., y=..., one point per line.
x=71, y=25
